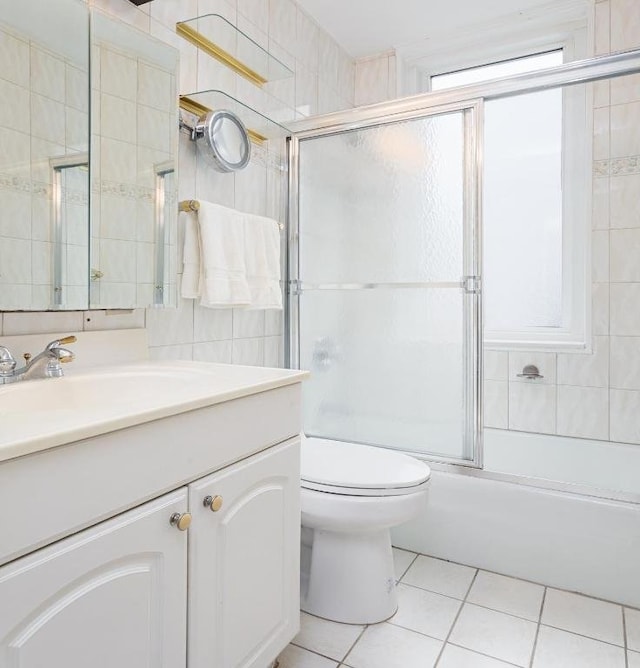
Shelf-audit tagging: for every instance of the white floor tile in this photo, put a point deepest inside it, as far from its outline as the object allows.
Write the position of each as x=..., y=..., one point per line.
x=296, y=657
x=425, y=612
x=583, y=615
x=633, y=659
x=458, y=657
x=329, y=638
x=387, y=646
x=559, y=649
x=632, y=622
x=442, y=577
x=494, y=633
x=505, y=594
x=402, y=559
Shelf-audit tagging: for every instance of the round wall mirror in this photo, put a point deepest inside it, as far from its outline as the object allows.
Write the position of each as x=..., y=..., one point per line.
x=227, y=140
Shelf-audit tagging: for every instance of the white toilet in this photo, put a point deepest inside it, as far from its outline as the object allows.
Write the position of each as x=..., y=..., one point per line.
x=351, y=496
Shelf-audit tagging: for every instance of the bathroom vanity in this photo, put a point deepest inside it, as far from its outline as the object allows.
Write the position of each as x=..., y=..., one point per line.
x=150, y=517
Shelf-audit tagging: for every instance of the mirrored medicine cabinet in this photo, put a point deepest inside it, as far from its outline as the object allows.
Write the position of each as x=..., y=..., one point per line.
x=88, y=153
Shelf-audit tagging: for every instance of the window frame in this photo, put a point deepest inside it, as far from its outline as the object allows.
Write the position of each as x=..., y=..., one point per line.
x=509, y=40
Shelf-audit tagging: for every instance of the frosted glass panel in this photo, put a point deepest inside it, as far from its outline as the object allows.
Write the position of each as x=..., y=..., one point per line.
x=383, y=204
x=387, y=367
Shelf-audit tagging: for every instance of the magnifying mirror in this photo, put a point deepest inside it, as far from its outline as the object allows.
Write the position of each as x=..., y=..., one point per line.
x=226, y=140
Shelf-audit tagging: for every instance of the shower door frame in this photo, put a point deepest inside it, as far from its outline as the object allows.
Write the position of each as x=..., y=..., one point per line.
x=469, y=284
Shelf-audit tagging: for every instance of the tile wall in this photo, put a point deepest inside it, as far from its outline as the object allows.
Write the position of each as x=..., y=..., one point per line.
x=324, y=81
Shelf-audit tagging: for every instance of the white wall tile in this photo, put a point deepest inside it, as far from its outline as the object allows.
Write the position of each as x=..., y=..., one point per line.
x=248, y=352
x=308, y=41
x=600, y=256
x=583, y=412
x=601, y=134
x=117, y=319
x=586, y=369
x=602, y=29
x=625, y=408
x=48, y=75
x=211, y=324
x=625, y=314
x=532, y=407
x=625, y=25
x=624, y=197
x=600, y=202
x=282, y=23
x=248, y=323
x=625, y=362
x=372, y=80
x=600, y=309
x=256, y=11
x=625, y=131
x=273, y=351
x=14, y=59
x=625, y=89
x=496, y=365
x=625, y=255
x=213, y=351
x=118, y=74
x=496, y=404
x=179, y=352
x=15, y=108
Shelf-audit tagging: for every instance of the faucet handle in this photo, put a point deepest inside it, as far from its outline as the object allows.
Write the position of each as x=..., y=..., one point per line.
x=61, y=342
x=7, y=362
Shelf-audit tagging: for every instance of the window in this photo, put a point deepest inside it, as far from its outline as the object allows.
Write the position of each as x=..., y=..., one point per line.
x=535, y=184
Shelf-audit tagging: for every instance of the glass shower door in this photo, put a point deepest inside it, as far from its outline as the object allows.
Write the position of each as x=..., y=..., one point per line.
x=384, y=303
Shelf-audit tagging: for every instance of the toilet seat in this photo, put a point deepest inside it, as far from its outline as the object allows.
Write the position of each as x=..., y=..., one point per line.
x=350, y=469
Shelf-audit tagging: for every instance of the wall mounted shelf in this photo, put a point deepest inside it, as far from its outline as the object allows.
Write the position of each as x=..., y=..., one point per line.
x=260, y=127
x=214, y=35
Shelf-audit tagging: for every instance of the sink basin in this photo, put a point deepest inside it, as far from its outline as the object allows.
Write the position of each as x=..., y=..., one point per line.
x=37, y=414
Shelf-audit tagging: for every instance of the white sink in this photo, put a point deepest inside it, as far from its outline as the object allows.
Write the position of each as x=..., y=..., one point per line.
x=37, y=414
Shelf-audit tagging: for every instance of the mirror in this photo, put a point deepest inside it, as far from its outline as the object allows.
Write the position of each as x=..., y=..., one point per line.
x=226, y=140
x=134, y=139
x=57, y=173
x=44, y=143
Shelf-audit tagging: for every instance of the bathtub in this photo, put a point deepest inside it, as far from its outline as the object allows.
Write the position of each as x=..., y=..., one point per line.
x=576, y=541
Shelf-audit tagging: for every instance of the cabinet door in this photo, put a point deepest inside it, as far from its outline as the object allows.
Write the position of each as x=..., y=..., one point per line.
x=244, y=562
x=113, y=596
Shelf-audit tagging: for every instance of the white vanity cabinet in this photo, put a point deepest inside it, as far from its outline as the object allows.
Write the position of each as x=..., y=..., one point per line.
x=93, y=573
x=244, y=555
x=112, y=596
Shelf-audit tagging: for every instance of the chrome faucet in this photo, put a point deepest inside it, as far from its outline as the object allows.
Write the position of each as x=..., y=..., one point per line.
x=48, y=364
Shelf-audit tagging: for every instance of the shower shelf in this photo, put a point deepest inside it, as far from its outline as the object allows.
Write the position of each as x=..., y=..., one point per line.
x=260, y=127
x=220, y=39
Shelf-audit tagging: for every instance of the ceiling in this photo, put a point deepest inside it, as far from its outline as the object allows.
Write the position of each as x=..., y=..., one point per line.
x=366, y=27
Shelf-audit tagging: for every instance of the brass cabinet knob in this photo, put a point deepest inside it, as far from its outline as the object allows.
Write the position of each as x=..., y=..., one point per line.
x=182, y=521
x=213, y=502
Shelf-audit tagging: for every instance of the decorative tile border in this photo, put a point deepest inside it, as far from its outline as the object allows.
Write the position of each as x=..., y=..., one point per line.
x=617, y=166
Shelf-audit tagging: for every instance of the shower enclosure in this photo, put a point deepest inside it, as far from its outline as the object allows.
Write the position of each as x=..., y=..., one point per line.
x=385, y=282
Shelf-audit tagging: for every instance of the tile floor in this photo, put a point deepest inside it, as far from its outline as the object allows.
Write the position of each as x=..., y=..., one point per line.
x=454, y=616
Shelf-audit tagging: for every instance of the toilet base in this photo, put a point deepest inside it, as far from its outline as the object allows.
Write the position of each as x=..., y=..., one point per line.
x=349, y=577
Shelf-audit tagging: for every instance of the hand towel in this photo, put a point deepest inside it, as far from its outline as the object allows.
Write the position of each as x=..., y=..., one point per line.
x=223, y=279
x=262, y=256
x=191, y=258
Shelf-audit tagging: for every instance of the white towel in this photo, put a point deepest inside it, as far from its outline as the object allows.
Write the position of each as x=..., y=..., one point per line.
x=262, y=256
x=191, y=258
x=218, y=235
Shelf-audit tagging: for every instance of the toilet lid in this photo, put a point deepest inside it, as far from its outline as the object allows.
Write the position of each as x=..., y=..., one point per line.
x=348, y=465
